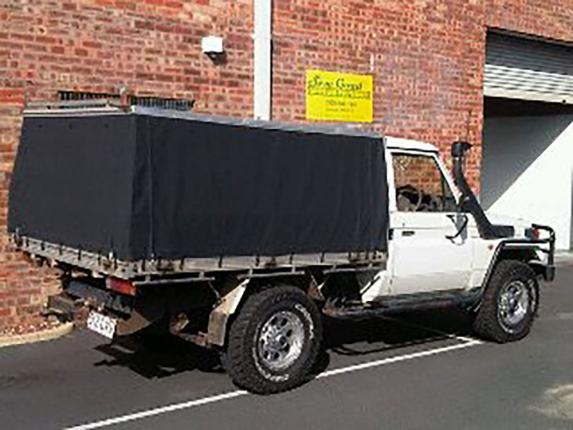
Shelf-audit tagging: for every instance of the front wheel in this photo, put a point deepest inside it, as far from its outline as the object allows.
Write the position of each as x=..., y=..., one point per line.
x=274, y=341
x=509, y=303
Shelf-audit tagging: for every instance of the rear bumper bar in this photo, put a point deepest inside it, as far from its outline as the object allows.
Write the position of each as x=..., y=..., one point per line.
x=63, y=306
x=77, y=293
x=132, y=313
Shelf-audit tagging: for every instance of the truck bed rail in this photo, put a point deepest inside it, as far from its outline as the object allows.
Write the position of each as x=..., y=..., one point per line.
x=60, y=255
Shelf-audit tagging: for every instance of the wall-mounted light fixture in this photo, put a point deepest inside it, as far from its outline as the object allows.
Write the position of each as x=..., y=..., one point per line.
x=212, y=46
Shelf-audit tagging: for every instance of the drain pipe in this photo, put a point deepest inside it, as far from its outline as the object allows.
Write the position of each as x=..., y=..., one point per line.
x=262, y=59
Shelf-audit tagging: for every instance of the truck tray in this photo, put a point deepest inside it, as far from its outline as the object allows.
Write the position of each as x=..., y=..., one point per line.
x=142, y=188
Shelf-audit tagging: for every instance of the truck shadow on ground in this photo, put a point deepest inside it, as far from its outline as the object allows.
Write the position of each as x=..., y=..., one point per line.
x=155, y=356
x=374, y=335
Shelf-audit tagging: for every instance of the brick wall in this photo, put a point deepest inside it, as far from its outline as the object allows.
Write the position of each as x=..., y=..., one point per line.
x=149, y=46
x=22, y=285
x=552, y=19
x=426, y=57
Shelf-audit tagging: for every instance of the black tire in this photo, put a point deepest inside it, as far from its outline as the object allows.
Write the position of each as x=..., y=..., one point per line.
x=492, y=321
x=243, y=358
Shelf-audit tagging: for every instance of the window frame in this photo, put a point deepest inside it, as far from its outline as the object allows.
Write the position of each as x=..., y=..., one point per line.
x=446, y=178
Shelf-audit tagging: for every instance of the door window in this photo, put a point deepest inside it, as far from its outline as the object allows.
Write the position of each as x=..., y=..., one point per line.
x=420, y=185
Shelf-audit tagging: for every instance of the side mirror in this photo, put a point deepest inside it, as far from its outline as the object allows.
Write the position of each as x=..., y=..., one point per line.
x=461, y=225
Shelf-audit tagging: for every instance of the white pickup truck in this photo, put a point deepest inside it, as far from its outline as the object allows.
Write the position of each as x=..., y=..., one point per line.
x=259, y=306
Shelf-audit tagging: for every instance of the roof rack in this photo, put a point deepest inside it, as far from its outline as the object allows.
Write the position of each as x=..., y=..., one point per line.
x=92, y=105
x=102, y=106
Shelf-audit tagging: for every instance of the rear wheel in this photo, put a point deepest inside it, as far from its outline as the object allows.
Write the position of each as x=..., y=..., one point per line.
x=509, y=303
x=274, y=341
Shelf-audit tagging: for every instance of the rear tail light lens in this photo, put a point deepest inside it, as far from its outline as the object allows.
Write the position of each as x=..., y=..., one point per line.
x=121, y=286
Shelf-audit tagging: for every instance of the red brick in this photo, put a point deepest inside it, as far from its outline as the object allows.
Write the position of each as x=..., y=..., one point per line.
x=11, y=96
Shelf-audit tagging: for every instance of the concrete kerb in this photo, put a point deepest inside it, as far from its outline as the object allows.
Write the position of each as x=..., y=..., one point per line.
x=39, y=336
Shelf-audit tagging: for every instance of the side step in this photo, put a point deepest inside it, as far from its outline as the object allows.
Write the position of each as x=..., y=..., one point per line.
x=411, y=302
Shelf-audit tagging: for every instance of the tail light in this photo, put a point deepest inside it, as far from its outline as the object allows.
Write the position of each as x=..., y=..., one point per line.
x=121, y=286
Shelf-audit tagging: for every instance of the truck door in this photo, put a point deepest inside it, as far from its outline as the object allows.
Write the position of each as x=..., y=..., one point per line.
x=424, y=254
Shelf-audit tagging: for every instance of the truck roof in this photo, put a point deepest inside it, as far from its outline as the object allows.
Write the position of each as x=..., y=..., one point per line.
x=401, y=143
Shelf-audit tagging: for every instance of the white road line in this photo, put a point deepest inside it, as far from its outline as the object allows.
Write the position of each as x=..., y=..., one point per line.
x=466, y=339
x=232, y=394
x=158, y=411
x=430, y=329
x=398, y=358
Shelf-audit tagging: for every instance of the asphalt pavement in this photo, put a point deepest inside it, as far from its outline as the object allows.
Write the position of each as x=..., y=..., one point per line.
x=417, y=371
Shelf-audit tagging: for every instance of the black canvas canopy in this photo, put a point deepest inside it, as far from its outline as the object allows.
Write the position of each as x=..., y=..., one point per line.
x=152, y=184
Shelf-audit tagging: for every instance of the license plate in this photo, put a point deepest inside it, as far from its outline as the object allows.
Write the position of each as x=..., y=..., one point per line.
x=101, y=324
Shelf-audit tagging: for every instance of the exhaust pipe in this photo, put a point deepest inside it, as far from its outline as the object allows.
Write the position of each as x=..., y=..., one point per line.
x=469, y=201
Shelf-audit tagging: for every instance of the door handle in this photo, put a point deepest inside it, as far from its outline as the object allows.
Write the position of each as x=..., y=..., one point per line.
x=408, y=232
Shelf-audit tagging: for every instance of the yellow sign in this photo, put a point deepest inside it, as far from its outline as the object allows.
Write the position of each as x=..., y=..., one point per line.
x=333, y=96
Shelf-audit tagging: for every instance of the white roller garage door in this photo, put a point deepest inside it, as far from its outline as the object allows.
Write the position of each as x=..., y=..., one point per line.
x=527, y=156
x=525, y=69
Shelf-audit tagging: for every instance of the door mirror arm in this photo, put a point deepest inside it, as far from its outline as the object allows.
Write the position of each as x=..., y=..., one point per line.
x=461, y=206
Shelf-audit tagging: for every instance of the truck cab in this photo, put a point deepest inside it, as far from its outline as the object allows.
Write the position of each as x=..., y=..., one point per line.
x=423, y=255
x=435, y=245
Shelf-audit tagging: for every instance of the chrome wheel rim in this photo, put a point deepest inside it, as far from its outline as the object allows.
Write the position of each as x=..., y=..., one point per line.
x=281, y=339
x=513, y=303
